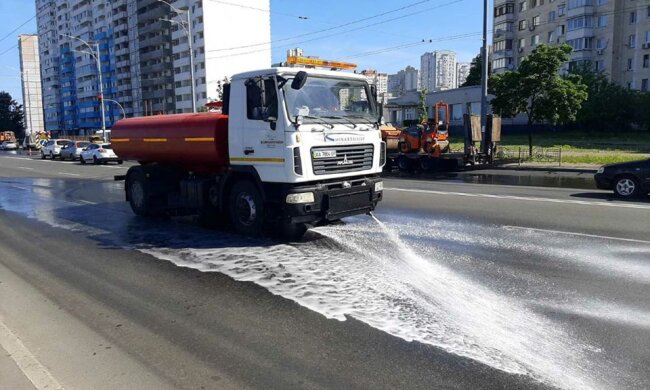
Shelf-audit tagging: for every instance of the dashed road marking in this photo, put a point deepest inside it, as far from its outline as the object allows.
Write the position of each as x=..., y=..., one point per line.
x=28, y=168
x=577, y=234
x=68, y=174
x=526, y=198
x=38, y=374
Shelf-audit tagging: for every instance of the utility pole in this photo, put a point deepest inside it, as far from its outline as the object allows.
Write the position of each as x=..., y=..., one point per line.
x=484, y=76
x=101, y=93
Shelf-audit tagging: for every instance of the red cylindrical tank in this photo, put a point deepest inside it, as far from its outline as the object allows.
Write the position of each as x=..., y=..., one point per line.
x=196, y=142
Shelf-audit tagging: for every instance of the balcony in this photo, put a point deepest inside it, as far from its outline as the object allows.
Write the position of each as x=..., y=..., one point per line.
x=582, y=10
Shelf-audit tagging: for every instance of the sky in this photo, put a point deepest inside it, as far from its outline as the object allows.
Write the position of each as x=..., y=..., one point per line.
x=386, y=35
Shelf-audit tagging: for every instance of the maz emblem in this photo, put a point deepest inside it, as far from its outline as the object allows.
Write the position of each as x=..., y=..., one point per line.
x=345, y=161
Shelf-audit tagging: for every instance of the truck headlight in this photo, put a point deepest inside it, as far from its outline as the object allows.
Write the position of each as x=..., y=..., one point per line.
x=303, y=197
x=379, y=186
x=601, y=170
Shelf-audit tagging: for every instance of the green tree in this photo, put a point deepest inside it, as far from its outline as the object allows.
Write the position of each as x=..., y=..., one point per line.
x=609, y=106
x=642, y=110
x=11, y=115
x=538, y=90
x=475, y=70
x=423, y=112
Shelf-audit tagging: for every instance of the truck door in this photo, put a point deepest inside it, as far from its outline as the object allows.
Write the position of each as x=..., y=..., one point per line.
x=262, y=140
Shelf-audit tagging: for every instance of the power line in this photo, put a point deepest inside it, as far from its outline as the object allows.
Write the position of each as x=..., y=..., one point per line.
x=17, y=28
x=339, y=33
x=8, y=50
x=325, y=30
x=302, y=17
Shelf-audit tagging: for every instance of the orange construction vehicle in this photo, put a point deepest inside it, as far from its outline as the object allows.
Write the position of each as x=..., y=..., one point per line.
x=427, y=141
x=7, y=136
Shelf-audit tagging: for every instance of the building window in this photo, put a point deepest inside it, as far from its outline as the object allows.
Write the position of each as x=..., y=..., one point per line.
x=629, y=64
x=523, y=6
x=644, y=85
x=632, y=41
x=523, y=24
x=632, y=17
x=534, y=40
x=551, y=16
x=646, y=60
x=602, y=21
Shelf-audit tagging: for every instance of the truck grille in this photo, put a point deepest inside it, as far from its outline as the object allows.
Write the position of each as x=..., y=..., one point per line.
x=348, y=159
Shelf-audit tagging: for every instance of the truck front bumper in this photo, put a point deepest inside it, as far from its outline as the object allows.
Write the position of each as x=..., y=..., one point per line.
x=335, y=200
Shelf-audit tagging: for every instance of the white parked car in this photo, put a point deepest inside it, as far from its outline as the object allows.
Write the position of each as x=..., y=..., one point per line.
x=99, y=153
x=52, y=148
x=8, y=145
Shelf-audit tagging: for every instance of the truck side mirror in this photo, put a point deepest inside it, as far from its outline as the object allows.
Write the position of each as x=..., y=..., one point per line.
x=300, y=80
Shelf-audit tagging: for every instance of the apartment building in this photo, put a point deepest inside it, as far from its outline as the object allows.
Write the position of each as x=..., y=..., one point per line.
x=31, y=83
x=407, y=79
x=462, y=72
x=612, y=36
x=438, y=71
x=143, y=48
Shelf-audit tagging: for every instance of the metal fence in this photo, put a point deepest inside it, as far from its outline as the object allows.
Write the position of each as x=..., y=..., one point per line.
x=521, y=155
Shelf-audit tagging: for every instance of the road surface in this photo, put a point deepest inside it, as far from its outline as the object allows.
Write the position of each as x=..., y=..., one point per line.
x=451, y=285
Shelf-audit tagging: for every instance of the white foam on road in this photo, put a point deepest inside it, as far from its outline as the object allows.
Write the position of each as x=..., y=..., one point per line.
x=388, y=277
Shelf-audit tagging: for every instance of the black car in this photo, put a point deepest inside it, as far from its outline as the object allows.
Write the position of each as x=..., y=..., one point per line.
x=628, y=180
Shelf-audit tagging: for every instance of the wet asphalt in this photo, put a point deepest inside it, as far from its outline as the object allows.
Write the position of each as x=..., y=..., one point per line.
x=471, y=280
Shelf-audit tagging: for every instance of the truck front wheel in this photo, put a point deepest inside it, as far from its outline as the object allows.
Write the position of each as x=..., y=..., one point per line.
x=139, y=198
x=246, y=208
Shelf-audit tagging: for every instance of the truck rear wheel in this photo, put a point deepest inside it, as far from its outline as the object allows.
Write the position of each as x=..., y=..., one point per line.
x=246, y=208
x=139, y=197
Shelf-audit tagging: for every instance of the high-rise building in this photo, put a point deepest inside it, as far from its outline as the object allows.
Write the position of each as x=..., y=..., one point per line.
x=31, y=83
x=379, y=79
x=144, y=52
x=438, y=71
x=405, y=80
x=613, y=36
x=462, y=71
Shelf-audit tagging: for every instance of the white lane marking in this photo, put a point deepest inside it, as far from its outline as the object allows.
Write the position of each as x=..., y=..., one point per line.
x=28, y=168
x=40, y=377
x=525, y=198
x=68, y=174
x=86, y=202
x=20, y=188
x=577, y=234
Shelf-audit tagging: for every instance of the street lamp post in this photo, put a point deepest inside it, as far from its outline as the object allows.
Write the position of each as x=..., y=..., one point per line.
x=96, y=55
x=187, y=27
x=119, y=105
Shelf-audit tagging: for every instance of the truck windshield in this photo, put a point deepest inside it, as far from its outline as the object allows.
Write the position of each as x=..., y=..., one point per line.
x=331, y=101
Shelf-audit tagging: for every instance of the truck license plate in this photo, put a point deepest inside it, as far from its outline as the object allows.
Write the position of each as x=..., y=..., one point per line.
x=324, y=153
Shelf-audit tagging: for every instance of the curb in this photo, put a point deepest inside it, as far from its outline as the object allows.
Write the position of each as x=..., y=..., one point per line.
x=546, y=169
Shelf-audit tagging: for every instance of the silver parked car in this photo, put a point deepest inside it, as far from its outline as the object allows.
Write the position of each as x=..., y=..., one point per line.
x=52, y=148
x=8, y=145
x=72, y=150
